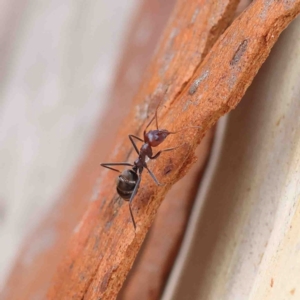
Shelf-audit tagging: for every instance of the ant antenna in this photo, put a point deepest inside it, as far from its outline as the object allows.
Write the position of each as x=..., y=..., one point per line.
x=155, y=116
x=184, y=128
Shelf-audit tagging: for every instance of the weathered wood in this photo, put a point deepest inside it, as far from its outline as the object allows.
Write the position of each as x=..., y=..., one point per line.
x=44, y=248
x=102, y=250
x=243, y=239
x=155, y=260
x=150, y=271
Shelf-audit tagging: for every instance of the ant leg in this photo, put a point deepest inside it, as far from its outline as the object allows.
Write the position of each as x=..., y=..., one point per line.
x=153, y=176
x=107, y=165
x=132, y=218
x=133, y=143
x=131, y=198
x=154, y=117
x=165, y=150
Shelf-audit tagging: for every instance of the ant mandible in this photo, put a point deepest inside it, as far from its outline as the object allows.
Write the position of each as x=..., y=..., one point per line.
x=129, y=180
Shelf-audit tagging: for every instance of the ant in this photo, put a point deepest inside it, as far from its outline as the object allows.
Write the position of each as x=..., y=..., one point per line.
x=129, y=180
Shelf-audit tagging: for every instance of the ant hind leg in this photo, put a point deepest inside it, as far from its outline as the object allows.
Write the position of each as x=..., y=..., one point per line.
x=107, y=165
x=153, y=176
x=131, y=199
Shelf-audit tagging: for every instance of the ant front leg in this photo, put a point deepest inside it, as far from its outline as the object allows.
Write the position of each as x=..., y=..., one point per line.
x=131, y=136
x=107, y=165
x=165, y=150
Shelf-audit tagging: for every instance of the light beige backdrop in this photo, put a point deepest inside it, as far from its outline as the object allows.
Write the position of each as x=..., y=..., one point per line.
x=57, y=62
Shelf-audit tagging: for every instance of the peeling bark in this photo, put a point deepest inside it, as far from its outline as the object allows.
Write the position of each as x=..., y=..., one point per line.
x=96, y=270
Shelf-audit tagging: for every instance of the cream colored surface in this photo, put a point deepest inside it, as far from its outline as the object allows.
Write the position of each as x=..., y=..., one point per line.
x=58, y=59
x=243, y=240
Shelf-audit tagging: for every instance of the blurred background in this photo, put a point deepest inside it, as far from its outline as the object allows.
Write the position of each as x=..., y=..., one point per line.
x=57, y=60
x=69, y=72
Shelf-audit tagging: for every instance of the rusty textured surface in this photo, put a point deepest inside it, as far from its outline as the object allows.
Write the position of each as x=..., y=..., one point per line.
x=187, y=54
x=242, y=241
x=147, y=278
x=155, y=260
x=37, y=262
x=102, y=250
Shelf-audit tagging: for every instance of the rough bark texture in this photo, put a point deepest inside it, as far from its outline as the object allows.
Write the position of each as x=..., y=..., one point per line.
x=148, y=276
x=155, y=260
x=44, y=248
x=243, y=238
x=182, y=54
x=104, y=246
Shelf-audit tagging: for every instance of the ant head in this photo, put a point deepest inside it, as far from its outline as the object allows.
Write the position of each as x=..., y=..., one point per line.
x=156, y=137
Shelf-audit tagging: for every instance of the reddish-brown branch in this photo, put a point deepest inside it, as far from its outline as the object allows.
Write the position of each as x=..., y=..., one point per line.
x=44, y=248
x=155, y=260
x=102, y=251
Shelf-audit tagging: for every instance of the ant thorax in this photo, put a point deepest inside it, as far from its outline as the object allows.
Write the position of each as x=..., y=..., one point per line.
x=146, y=150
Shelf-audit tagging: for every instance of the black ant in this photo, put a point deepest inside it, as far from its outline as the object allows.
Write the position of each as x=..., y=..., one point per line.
x=129, y=180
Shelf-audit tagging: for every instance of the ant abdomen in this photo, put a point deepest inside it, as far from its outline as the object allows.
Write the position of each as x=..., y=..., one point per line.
x=126, y=183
